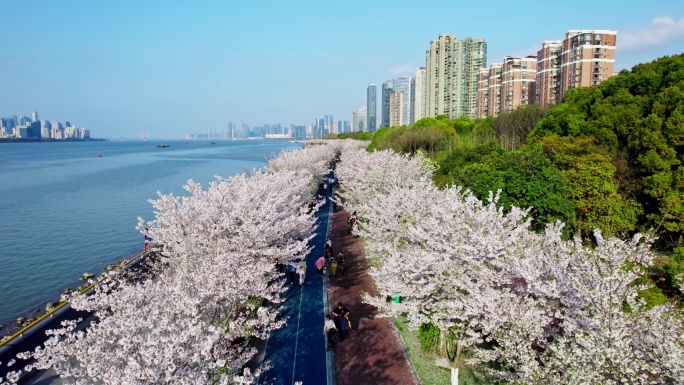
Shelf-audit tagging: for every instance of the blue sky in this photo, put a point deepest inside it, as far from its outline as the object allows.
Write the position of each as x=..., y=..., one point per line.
x=172, y=67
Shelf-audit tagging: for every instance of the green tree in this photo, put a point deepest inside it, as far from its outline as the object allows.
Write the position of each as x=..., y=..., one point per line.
x=378, y=137
x=463, y=125
x=512, y=128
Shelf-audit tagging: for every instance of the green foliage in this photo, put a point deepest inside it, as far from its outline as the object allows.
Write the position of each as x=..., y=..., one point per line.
x=423, y=363
x=428, y=334
x=653, y=297
x=675, y=268
x=512, y=128
x=483, y=131
x=357, y=135
x=429, y=135
x=378, y=136
x=464, y=125
x=636, y=121
x=525, y=177
x=593, y=188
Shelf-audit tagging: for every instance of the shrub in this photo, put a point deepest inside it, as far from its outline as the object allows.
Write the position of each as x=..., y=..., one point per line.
x=429, y=337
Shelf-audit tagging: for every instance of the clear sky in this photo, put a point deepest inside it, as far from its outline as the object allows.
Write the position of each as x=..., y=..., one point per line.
x=172, y=67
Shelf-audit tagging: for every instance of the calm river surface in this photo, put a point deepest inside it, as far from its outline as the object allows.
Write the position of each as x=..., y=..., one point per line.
x=65, y=211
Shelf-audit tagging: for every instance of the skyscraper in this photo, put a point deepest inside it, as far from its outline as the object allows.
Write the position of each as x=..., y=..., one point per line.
x=371, y=106
x=452, y=66
x=387, y=88
x=328, y=123
x=359, y=118
x=34, y=116
x=418, y=95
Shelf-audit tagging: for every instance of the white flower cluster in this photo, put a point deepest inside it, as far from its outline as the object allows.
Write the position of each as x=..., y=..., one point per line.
x=548, y=310
x=214, y=290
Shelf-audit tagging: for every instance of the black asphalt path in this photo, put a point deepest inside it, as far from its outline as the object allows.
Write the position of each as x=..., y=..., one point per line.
x=296, y=352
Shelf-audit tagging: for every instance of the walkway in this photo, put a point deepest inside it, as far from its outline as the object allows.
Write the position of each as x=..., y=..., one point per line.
x=296, y=352
x=373, y=353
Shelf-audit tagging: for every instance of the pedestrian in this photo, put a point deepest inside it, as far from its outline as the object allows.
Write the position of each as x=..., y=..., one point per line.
x=340, y=258
x=351, y=221
x=329, y=329
x=328, y=244
x=341, y=318
x=302, y=270
x=320, y=265
x=291, y=270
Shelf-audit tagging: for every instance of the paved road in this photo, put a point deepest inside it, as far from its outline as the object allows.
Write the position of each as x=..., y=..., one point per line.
x=296, y=352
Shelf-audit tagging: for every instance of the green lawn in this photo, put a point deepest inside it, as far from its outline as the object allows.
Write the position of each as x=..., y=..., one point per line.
x=424, y=363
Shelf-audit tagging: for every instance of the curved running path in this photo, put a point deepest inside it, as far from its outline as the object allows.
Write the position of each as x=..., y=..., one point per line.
x=296, y=352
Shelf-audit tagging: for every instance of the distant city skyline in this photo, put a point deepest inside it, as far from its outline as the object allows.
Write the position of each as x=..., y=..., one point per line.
x=236, y=62
x=23, y=127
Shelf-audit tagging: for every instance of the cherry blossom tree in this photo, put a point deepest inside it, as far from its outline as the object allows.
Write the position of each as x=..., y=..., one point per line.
x=550, y=310
x=214, y=289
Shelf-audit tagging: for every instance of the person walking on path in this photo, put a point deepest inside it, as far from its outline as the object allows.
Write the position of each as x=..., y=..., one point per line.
x=291, y=270
x=351, y=222
x=302, y=270
x=320, y=264
x=330, y=330
x=340, y=261
x=341, y=314
x=328, y=244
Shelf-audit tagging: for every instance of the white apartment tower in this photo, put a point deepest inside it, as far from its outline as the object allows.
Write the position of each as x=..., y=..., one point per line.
x=396, y=108
x=452, y=67
x=418, y=95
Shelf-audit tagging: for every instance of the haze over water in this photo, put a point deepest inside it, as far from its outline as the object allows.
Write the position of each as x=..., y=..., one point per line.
x=65, y=211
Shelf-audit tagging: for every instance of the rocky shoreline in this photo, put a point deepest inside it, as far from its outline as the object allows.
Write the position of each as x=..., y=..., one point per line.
x=7, y=329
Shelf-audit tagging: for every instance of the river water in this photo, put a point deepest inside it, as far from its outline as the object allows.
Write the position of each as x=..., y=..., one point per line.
x=64, y=210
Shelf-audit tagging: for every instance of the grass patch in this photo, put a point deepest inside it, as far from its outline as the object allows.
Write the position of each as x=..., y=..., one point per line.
x=424, y=363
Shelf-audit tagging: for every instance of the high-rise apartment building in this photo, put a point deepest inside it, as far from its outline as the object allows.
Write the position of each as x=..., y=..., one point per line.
x=403, y=84
x=548, y=73
x=396, y=108
x=482, y=93
x=387, y=88
x=328, y=123
x=418, y=95
x=518, y=77
x=587, y=58
x=452, y=67
x=371, y=107
x=359, y=118
x=494, y=90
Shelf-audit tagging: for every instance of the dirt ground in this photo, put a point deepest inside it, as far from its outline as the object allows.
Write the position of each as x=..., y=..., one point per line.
x=372, y=353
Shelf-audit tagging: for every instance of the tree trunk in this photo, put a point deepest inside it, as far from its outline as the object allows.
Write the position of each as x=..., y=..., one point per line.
x=454, y=376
